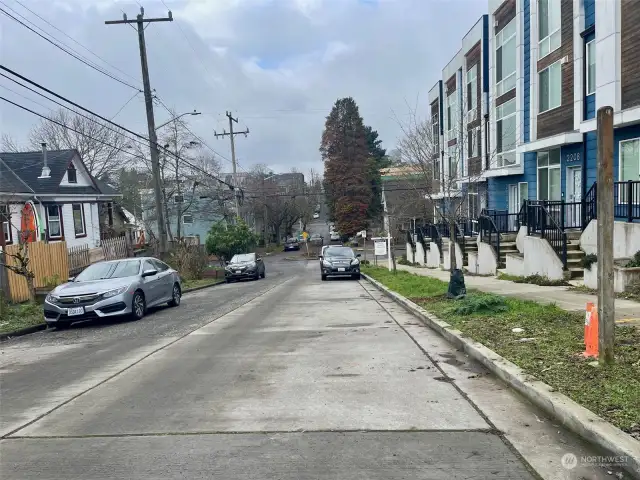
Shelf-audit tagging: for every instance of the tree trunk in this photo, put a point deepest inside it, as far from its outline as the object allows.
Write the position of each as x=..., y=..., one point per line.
x=452, y=247
x=393, y=258
x=32, y=288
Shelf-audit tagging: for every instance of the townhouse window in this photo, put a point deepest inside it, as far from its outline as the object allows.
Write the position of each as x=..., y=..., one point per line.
x=473, y=142
x=472, y=93
x=549, y=22
x=435, y=130
x=187, y=219
x=506, y=59
x=452, y=153
x=452, y=117
x=590, y=67
x=54, y=221
x=550, y=87
x=72, y=174
x=436, y=166
x=506, y=133
x=549, y=175
x=5, y=218
x=629, y=169
x=79, y=225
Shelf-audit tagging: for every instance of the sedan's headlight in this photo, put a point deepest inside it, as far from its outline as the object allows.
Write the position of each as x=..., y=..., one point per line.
x=355, y=261
x=51, y=298
x=326, y=263
x=114, y=292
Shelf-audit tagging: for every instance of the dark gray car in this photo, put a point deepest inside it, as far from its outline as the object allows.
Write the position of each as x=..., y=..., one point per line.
x=339, y=262
x=243, y=266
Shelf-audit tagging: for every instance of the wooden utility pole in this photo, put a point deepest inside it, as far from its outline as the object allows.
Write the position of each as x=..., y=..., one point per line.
x=231, y=135
x=148, y=100
x=4, y=280
x=606, y=294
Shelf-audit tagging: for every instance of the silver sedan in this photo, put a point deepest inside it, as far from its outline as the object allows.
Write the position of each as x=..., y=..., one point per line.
x=113, y=288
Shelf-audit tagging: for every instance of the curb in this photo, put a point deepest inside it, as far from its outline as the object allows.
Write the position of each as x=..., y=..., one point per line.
x=570, y=414
x=22, y=331
x=43, y=326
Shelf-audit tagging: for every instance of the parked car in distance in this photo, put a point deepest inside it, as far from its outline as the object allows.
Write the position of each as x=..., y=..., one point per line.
x=316, y=215
x=243, y=266
x=291, y=244
x=335, y=236
x=113, y=288
x=339, y=261
x=316, y=237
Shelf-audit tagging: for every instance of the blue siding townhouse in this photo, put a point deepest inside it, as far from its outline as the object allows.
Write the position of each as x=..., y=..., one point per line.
x=516, y=109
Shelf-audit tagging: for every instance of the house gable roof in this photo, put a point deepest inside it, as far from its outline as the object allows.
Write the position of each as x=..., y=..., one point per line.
x=19, y=173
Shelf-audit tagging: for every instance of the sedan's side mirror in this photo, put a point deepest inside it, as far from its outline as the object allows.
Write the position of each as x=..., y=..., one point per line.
x=358, y=255
x=149, y=273
x=226, y=262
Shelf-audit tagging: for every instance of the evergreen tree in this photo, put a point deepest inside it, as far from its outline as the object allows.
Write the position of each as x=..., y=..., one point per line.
x=347, y=167
x=377, y=160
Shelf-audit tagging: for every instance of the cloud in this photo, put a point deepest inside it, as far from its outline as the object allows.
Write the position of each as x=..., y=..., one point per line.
x=279, y=65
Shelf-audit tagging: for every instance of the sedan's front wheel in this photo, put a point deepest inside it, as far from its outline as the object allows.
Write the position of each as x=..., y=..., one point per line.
x=138, y=306
x=175, y=296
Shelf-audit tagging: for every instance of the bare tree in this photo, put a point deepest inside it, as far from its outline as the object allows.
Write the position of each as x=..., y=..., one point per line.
x=100, y=145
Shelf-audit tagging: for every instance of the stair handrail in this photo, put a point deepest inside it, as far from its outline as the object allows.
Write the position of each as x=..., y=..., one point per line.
x=436, y=237
x=488, y=229
x=549, y=229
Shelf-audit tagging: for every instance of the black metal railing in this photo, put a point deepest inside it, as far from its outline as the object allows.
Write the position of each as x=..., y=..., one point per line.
x=489, y=232
x=410, y=239
x=589, y=208
x=540, y=221
x=504, y=221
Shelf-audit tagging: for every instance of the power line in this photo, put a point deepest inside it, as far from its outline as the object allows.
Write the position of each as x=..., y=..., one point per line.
x=70, y=38
x=70, y=52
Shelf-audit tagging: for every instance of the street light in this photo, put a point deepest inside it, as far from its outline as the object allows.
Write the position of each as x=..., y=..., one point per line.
x=176, y=118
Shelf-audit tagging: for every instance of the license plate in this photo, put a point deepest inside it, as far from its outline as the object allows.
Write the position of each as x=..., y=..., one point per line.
x=238, y=271
x=341, y=269
x=75, y=311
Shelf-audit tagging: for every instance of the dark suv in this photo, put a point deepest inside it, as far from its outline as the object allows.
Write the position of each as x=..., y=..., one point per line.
x=339, y=262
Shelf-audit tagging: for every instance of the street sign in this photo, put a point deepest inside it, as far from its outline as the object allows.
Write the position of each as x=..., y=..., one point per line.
x=380, y=246
x=305, y=235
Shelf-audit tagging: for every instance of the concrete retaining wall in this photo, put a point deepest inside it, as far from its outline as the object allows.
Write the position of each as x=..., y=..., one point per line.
x=410, y=255
x=522, y=233
x=433, y=256
x=622, y=277
x=514, y=265
x=487, y=260
x=446, y=260
x=540, y=259
x=626, y=239
x=421, y=259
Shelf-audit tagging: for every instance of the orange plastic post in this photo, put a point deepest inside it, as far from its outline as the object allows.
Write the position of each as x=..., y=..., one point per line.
x=591, y=331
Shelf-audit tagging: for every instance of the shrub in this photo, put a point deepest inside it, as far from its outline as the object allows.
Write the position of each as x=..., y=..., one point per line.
x=635, y=261
x=589, y=260
x=479, y=303
x=189, y=260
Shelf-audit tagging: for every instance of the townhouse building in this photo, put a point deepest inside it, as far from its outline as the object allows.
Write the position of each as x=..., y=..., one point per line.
x=514, y=121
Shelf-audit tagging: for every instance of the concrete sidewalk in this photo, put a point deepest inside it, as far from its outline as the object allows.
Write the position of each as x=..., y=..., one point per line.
x=627, y=311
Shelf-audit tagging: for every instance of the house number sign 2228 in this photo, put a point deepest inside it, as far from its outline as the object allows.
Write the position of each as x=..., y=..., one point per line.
x=573, y=157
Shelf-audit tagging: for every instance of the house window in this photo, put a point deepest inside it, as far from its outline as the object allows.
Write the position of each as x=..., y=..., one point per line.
x=54, y=221
x=549, y=175
x=549, y=26
x=523, y=191
x=506, y=59
x=436, y=166
x=506, y=133
x=473, y=141
x=472, y=93
x=435, y=130
x=590, y=60
x=550, y=87
x=5, y=218
x=72, y=176
x=78, y=220
x=629, y=168
x=187, y=219
x=452, y=116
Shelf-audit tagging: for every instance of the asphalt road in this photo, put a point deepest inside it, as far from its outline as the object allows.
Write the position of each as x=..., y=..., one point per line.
x=282, y=378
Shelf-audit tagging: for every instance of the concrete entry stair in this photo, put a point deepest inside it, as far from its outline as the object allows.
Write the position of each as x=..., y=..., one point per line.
x=574, y=259
x=507, y=245
x=470, y=245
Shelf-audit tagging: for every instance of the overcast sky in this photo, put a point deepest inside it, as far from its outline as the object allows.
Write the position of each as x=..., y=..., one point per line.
x=278, y=65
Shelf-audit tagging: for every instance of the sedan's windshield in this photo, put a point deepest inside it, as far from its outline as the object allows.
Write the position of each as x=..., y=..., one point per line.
x=245, y=257
x=339, y=252
x=101, y=271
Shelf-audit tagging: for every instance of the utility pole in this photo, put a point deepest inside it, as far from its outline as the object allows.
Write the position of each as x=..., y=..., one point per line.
x=4, y=278
x=606, y=295
x=231, y=135
x=148, y=100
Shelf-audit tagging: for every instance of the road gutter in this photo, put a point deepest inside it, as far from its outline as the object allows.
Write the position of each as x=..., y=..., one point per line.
x=570, y=414
x=43, y=326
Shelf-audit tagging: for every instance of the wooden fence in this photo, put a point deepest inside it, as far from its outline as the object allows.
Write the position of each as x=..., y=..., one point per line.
x=117, y=248
x=79, y=259
x=49, y=262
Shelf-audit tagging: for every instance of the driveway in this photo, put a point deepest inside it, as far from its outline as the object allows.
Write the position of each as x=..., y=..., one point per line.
x=288, y=378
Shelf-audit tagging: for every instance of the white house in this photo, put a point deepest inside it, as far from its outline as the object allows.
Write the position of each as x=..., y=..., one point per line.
x=52, y=195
